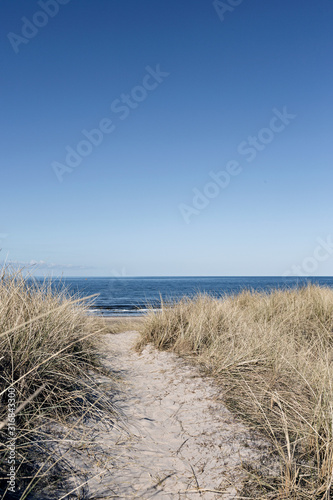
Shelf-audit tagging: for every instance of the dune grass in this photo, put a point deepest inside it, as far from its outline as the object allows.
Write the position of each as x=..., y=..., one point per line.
x=272, y=353
x=122, y=324
x=48, y=356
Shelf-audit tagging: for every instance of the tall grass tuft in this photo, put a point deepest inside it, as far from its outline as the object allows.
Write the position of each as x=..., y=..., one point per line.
x=48, y=355
x=273, y=355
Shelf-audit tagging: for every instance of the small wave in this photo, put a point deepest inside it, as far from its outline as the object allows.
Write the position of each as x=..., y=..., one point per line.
x=120, y=311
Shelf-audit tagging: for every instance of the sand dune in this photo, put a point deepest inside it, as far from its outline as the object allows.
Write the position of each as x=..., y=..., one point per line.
x=182, y=442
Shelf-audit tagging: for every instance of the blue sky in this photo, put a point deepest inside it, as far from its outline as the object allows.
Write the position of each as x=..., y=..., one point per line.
x=196, y=86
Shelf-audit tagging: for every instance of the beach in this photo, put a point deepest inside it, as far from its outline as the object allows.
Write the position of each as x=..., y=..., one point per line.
x=225, y=397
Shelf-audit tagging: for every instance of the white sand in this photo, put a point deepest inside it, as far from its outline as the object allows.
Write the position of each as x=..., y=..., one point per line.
x=182, y=442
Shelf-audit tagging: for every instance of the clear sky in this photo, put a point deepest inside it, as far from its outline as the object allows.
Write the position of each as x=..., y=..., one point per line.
x=213, y=154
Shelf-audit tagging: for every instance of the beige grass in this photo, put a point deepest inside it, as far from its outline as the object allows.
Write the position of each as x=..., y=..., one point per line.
x=121, y=324
x=273, y=355
x=48, y=354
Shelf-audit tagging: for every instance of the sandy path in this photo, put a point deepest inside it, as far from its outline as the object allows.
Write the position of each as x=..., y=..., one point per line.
x=181, y=439
x=182, y=443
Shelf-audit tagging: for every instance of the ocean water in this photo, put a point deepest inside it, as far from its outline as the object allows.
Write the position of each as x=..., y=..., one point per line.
x=132, y=296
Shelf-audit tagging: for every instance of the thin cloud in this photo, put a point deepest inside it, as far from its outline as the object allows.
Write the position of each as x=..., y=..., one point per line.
x=42, y=264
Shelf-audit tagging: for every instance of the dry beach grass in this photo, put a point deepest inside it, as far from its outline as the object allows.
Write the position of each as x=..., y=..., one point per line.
x=273, y=355
x=48, y=356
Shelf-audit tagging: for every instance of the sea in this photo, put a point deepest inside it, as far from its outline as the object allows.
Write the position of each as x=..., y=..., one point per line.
x=125, y=296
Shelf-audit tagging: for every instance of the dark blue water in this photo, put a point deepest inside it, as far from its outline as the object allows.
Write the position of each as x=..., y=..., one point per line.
x=123, y=296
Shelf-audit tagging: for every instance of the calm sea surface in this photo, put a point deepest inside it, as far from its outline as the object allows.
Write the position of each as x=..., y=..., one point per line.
x=124, y=296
